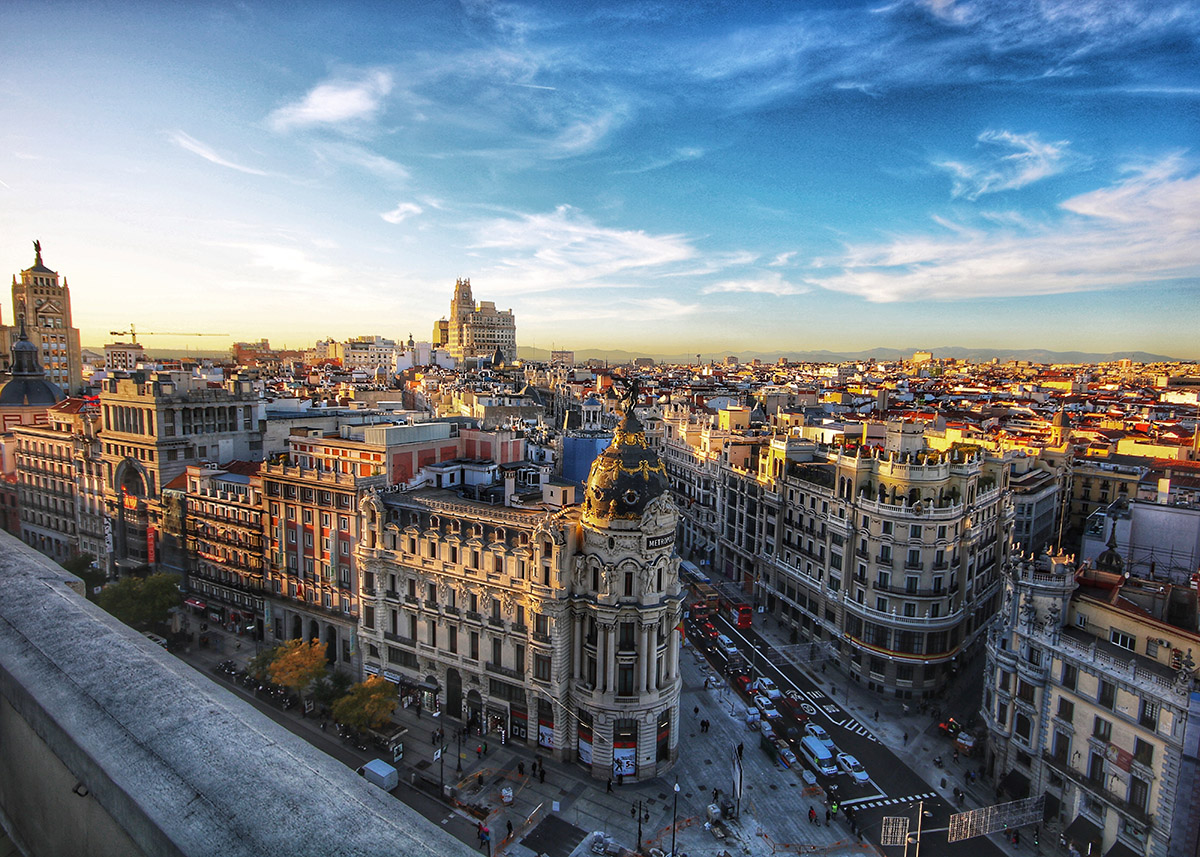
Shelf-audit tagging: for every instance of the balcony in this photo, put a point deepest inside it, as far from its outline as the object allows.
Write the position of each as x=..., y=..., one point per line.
x=504, y=671
x=450, y=611
x=391, y=595
x=1096, y=788
x=396, y=638
x=473, y=616
x=541, y=638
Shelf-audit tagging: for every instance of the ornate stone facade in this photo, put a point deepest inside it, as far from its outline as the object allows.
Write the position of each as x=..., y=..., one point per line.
x=558, y=627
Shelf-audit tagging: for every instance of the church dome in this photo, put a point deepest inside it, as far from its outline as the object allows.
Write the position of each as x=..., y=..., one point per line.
x=626, y=477
x=28, y=385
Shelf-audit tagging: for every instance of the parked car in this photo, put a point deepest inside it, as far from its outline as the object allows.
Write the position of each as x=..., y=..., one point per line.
x=853, y=767
x=819, y=733
x=769, y=711
x=743, y=685
x=768, y=687
x=790, y=707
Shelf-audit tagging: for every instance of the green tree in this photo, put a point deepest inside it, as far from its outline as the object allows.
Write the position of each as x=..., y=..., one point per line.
x=260, y=665
x=80, y=565
x=141, y=601
x=329, y=688
x=368, y=705
x=298, y=663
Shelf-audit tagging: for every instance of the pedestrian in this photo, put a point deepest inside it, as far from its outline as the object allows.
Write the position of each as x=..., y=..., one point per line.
x=716, y=792
x=876, y=715
x=740, y=748
x=905, y=739
x=620, y=778
x=485, y=748
x=812, y=815
x=542, y=774
x=478, y=751
x=696, y=711
x=828, y=815
x=521, y=768
x=508, y=824
x=608, y=788
x=955, y=756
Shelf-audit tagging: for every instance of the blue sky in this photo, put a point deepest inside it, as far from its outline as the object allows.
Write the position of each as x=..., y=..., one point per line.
x=663, y=177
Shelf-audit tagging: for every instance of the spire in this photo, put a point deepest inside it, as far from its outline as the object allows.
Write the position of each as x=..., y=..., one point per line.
x=37, y=252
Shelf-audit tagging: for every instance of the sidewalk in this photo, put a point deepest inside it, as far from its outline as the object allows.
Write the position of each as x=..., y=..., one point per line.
x=924, y=742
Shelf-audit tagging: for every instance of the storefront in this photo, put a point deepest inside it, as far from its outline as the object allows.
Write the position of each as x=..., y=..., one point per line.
x=625, y=734
x=584, y=751
x=545, y=724
x=518, y=721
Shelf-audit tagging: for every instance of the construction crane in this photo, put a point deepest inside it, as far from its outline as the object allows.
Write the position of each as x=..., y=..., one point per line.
x=133, y=333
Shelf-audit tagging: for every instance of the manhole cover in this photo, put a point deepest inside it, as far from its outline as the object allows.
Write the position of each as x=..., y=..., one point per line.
x=422, y=765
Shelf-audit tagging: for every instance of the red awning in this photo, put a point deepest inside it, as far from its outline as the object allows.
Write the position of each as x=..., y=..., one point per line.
x=195, y=602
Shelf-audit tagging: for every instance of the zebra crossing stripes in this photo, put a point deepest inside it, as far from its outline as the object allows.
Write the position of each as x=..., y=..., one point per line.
x=872, y=803
x=857, y=728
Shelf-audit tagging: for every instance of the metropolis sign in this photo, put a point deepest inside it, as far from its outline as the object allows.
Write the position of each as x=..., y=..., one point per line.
x=660, y=541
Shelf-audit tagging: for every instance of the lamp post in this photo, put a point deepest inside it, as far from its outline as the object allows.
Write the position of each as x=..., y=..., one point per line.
x=674, y=815
x=639, y=811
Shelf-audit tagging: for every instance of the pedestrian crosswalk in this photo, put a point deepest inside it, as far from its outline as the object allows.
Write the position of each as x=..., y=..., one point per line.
x=872, y=802
x=857, y=728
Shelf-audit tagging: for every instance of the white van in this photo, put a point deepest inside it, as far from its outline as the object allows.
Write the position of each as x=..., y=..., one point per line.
x=818, y=755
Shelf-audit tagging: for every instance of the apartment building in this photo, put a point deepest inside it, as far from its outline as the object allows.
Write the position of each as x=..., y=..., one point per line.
x=225, y=543
x=890, y=555
x=1090, y=699
x=554, y=624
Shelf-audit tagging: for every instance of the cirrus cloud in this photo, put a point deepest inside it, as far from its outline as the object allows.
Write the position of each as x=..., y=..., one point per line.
x=1144, y=228
x=402, y=212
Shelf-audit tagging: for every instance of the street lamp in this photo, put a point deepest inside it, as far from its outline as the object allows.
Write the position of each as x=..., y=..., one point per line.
x=674, y=815
x=641, y=813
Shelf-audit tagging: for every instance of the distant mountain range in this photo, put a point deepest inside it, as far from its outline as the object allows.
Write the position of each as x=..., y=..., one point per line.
x=617, y=357
x=979, y=355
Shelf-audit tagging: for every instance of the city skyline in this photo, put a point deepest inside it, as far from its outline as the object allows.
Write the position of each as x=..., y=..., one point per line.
x=629, y=176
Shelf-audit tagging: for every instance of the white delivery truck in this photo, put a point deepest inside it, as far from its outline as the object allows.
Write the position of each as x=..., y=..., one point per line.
x=380, y=773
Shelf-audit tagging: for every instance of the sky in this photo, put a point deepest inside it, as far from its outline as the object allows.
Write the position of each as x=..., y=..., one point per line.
x=697, y=177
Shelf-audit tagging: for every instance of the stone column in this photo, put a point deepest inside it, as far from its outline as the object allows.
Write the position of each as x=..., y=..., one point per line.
x=645, y=657
x=576, y=646
x=610, y=655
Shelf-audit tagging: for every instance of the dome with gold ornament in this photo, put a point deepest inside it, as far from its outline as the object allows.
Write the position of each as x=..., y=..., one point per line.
x=626, y=477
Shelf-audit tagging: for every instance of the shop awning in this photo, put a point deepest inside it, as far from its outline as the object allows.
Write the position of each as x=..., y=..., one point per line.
x=1085, y=835
x=1052, y=807
x=1016, y=784
x=430, y=686
x=1120, y=849
x=195, y=602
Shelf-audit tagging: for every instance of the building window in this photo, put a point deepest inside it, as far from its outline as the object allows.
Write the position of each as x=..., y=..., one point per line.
x=1139, y=792
x=625, y=680
x=1070, y=676
x=1148, y=716
x=1107, y=695
x=1102, y=729
x=474, y=649
x=1022, y=727
x=541, y=667
x=1120, y=638
x=1066, y=709
x=541, y=625
x=452, y=638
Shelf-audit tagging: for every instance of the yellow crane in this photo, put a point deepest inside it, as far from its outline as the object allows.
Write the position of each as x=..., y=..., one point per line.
x=133, y=333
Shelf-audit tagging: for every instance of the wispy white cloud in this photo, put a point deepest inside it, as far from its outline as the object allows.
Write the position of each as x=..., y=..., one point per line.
x=564, y=249
x=682, y=153
x=360, y=157
x=402, y=212
x=291, y=261
x=335, y=102
x=771, y=283
x=1143, y=229
x=782, y=259
x=191, y=144
x=1011, y=161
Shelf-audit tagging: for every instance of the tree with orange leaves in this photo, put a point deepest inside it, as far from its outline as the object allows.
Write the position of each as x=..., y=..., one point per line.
x=297, y=664
x=368, y=705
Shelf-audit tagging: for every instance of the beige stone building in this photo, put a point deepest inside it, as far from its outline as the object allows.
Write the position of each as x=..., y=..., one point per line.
x=476, y=330
x=45, y=305
x=1090, y=699
x=554, y=625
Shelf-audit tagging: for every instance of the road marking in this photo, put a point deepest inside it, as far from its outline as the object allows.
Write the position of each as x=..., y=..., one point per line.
x=879, y=800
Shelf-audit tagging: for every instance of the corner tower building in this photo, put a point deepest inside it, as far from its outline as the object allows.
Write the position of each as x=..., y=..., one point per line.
x=627, y=612
x=552, y=623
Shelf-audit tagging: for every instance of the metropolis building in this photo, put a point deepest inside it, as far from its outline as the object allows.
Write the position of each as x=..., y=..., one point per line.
x=555, y=624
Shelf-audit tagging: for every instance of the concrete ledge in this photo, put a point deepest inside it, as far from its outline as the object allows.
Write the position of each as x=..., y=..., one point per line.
x=110, y=745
